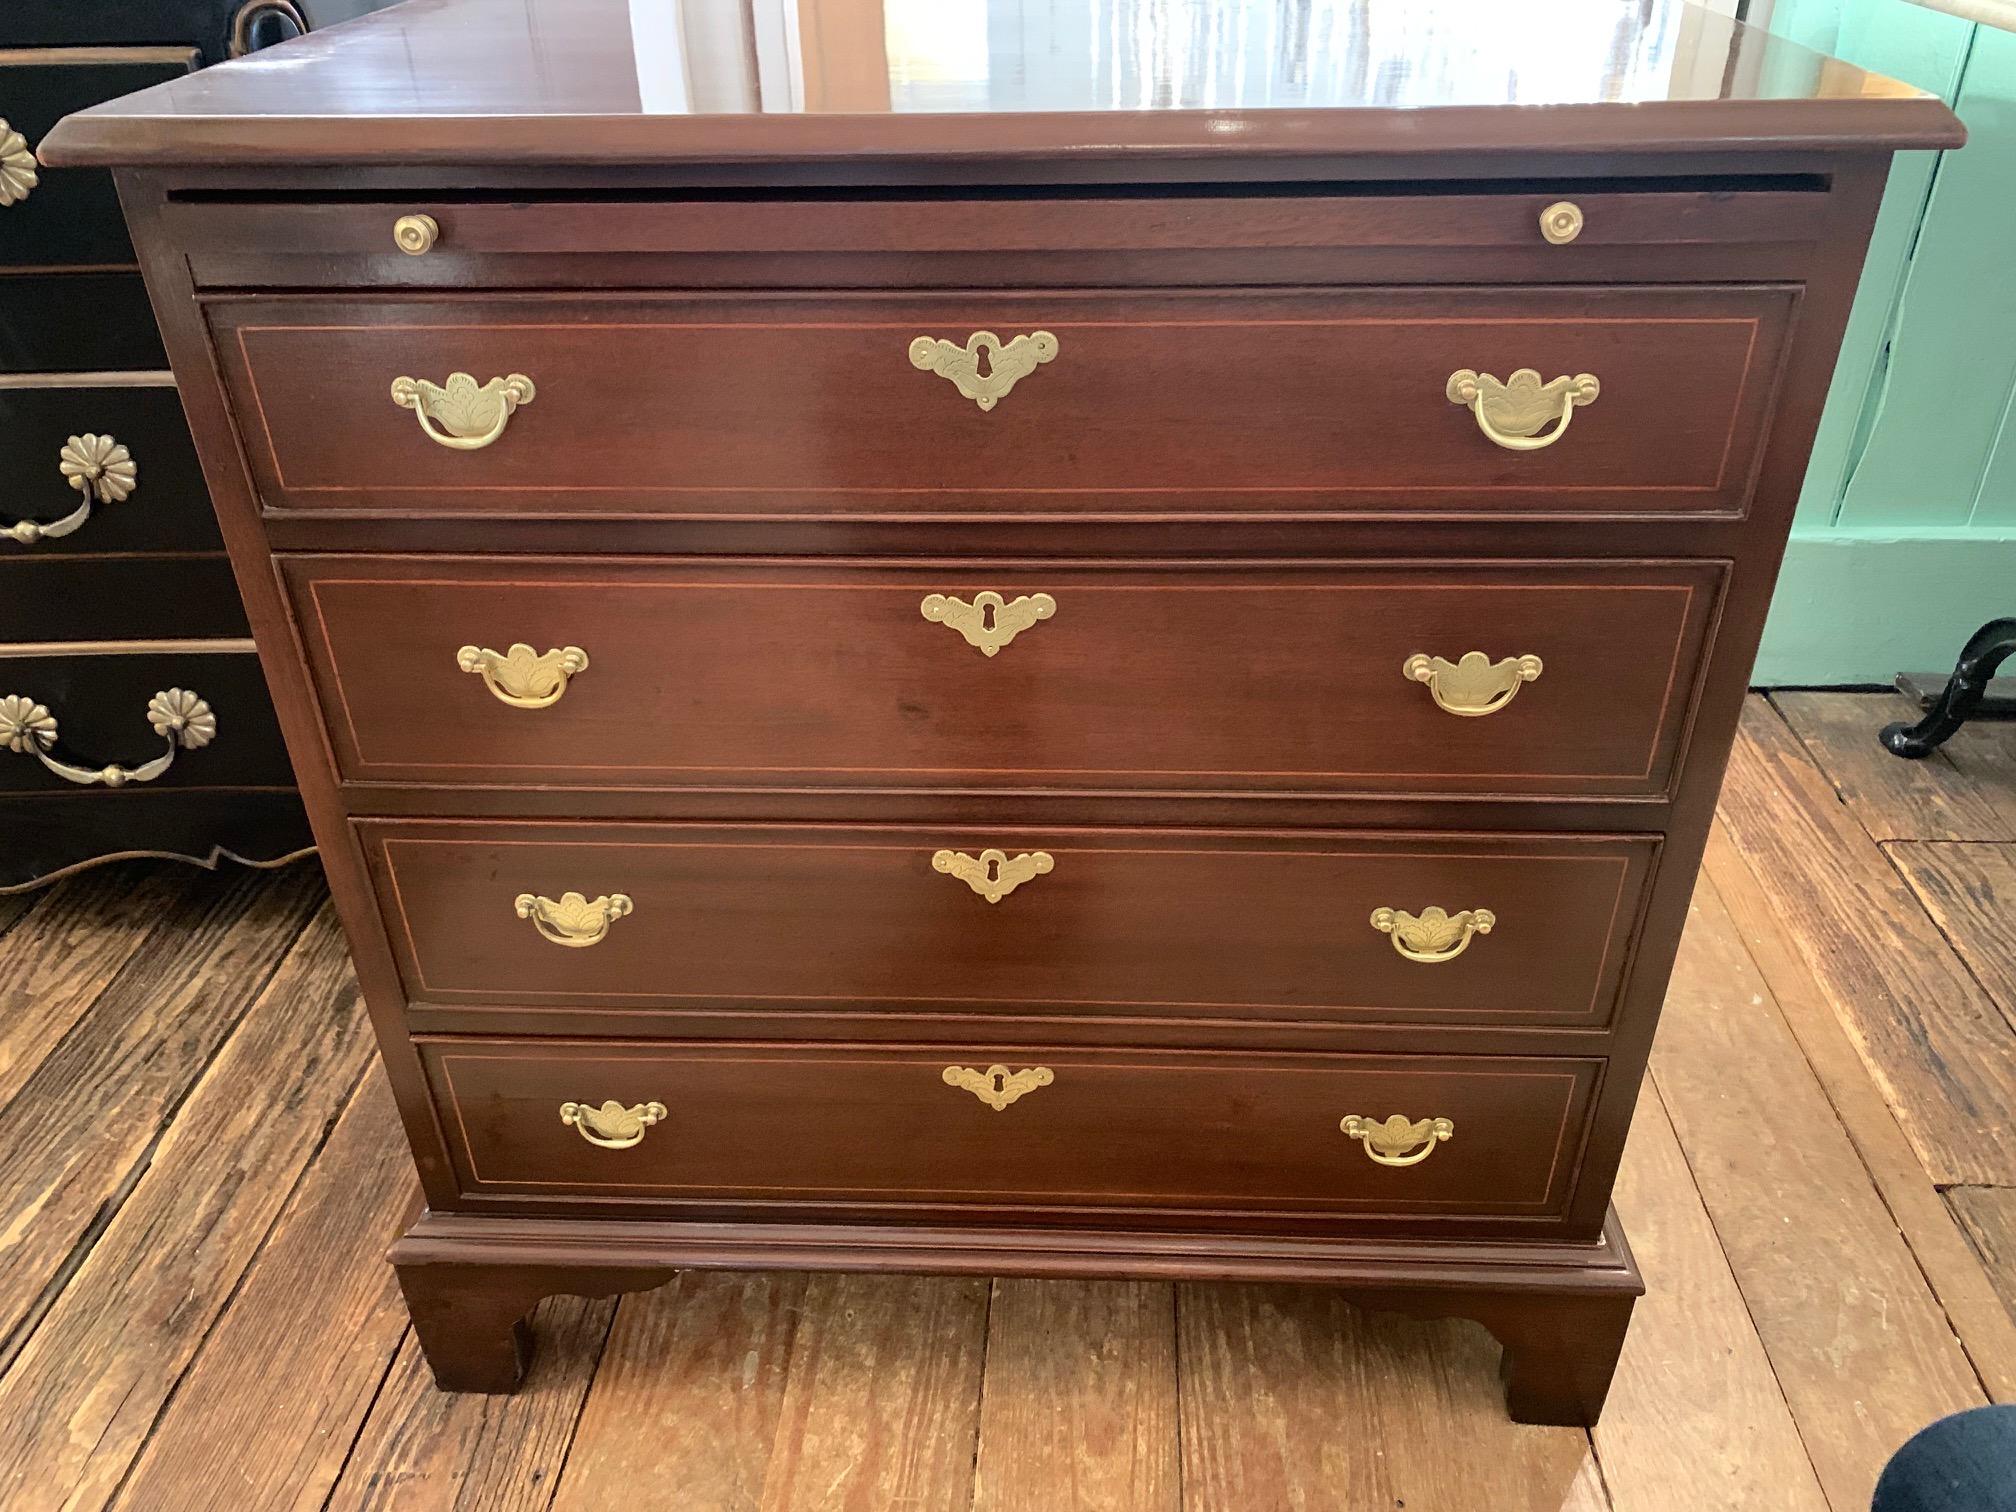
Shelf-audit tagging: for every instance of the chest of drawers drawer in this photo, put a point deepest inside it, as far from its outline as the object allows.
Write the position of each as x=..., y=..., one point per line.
x=66, y=216
x=1224, y=1139
x=1095, y=924
x=114, y=441
x=1214, y=403
x=1303, y=676
x=202, y=716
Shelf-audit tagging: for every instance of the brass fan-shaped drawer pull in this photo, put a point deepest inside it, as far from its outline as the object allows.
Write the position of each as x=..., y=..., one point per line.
x=993, y=874
x=573, y=921
x=1008, y=362
x=997, y=1086
x=1399, y=1140
x=990, y=621
x=522, y=677
x=97, y=467
x=1514, y=412
x=1433, y=936
x=461, y=413
x=1474, y=685
x=18, y=173
x=178, y=716
x=612, y=1126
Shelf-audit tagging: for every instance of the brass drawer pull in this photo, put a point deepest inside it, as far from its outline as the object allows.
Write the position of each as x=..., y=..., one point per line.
x=1473, y=686
x=612, y=1126
x=1389, y=1142
x=18, y=173
x=993, y=874
x=574, y=921
x=1561, y=222
x=100, y=469
x=469, y=416
x=990, y=621
x=1513, y=413
x=178, y=716
x=415, y=234
x=1008, y=363
x=1433, y=936
x=522, y=677
x=997, y=1086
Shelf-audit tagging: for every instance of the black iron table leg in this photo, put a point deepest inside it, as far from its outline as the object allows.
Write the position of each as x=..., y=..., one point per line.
x=1983, y=653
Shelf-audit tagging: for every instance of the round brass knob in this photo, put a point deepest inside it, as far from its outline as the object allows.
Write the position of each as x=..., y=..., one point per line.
x=1561, y=222
x=414, y=234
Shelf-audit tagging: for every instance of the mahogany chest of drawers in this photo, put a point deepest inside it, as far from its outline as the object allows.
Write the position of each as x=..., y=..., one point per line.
x=975, y=678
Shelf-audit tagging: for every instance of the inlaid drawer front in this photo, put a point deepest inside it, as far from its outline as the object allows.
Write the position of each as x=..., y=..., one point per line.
x=1454, y=401
x=1558, y=677
x=66, y=215
x=168, y=719
x=1075, y=1133
x=1322, y=927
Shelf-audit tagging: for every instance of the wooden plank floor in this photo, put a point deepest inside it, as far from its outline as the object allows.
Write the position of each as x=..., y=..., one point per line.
x=199, y=1170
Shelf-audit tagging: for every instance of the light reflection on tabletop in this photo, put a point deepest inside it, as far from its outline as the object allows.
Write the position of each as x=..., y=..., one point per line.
x=705, y=57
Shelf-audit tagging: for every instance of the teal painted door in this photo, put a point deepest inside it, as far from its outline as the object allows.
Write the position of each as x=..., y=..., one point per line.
x=1906, y=530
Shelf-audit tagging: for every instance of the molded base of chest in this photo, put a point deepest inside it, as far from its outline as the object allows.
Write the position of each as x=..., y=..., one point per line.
x=1559, y=1309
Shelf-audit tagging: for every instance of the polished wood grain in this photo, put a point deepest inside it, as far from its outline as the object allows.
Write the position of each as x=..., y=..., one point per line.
x=1152, y=1137
x=1214, y=924
x=1291, y=674
x=1213, y=403
x=457, y=81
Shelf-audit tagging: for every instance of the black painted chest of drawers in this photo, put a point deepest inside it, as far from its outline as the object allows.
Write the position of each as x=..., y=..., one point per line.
x=133, y=717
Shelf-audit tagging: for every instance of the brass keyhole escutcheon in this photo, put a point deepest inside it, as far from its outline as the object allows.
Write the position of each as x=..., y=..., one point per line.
x=994, y=874
x=990, y=621
x=997, y=1086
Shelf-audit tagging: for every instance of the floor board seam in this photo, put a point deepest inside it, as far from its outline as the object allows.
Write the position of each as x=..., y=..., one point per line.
x=2006, y=1011
x=109, y=1210
x=1862, y=1158
x=1694, y=1185
x=364, y=1418
x=238, y=1282
x=580, y=1410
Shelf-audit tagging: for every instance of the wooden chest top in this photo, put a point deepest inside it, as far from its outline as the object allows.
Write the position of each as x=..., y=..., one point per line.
x=612, y=81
